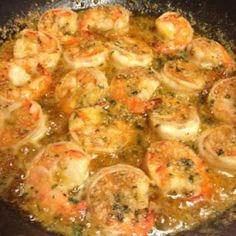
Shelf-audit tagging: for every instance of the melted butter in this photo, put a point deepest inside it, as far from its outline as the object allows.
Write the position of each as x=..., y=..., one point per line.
x=172, y=214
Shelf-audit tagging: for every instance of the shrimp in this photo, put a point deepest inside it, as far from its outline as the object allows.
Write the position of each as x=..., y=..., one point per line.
x=81, y=88
x=183, y=77
x=222, y=100
x=129, y=52
x=38, y=45
x=210, y=54
x=60, y=23
x=175, y=33
x=177, y=170
x=218, y=147
x=174, y=119
x=134, y=88
x=21, y=122
x=118, y=200
x=86, y=52
x=109, y=19
x=97, y=130
x=55, y=179
x=23, y=79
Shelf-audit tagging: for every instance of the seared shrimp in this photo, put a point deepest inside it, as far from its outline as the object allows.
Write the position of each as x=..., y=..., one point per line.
x=175, y=120
x=38, y=45
x=60, y=23
x=218, y=147
x=177, y=170
x=175, y=33
x=118, y=201
x=21, y=122
x=96, y=130
x=55, y=179
x=222, y=100
x=183, y=77
x=81, y=88
x=134, y=88
x=111, y=19
x=210, y=54
x=22, y=79
x=128, y=52
x=86, y=52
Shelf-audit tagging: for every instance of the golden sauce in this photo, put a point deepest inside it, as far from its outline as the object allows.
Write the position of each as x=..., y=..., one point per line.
x=172, y=214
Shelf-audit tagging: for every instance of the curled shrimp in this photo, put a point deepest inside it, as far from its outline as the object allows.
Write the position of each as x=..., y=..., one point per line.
x=173, y=119
x=86, y=52
x=106, y=19
x=98, y=130
x=175, y=33
x=218, y=147
x=118, y=200
x=81, y=88
x=38, y=45
x=177, y=170
x=183, y=77
x=60, y=23
x=222, y=100
x=54, y=175
x=20, y=123
x=129, y=52
x=23, y=79
x=210, y=54
x=134, y=88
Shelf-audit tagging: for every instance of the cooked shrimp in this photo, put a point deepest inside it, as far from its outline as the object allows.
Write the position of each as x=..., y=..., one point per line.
x=111, y=19
x=22, y=79
x=175, y=33
x=86, y=52
x=183, y=77
x=210, y=54
x=96, y=130
x=56, y=176
x=38, y=45
x=177, y=170
x=81, y=88
x=60, y=23
x=118, y=201
x=222, y=100
x=175, y=120
x=128, y=52
x=21, y=122
x=218, y=147
x=134, y=87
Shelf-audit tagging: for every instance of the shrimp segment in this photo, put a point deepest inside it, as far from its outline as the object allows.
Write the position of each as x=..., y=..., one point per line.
x=210, y=54
x=134, y=87
x=175, y=120
x=118, y=200
x=81, y=88
x=174, y=31
x=21, y=122
x=183, y=77
x=23, y=79
x=218, y=147
x=86, y=52
x=177, y=170
x=129, y=52
x=96, y=130
x=222, y=100
x=38, y=45
x=54, y=173
x=60, y=23
x=106, y=19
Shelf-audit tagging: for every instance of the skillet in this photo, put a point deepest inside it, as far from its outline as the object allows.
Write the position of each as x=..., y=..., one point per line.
x=213, y=18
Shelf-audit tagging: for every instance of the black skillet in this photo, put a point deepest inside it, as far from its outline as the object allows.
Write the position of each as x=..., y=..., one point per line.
x=215, y=15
